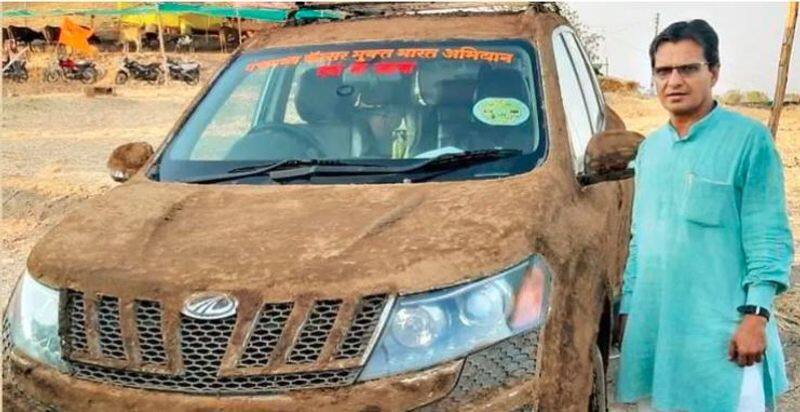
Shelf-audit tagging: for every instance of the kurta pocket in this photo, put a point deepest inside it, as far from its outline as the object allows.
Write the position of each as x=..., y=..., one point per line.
x=705, y=201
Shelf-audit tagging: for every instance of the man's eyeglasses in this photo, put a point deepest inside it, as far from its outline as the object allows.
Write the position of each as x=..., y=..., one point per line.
x=684, y=70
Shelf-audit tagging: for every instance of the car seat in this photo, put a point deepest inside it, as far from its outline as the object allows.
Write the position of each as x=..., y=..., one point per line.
x=326, y=110
x=445, y=92
x=498, y=83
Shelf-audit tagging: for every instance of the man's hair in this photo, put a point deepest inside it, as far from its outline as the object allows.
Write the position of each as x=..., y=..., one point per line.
x=698, y=31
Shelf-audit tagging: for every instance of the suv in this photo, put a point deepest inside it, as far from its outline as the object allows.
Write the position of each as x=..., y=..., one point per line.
x=399, y=212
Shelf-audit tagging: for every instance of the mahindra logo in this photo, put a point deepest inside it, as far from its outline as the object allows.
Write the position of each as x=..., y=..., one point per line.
x=210, y=305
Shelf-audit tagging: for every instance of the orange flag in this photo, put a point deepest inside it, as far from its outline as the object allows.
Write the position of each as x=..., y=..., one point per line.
x=75, y=36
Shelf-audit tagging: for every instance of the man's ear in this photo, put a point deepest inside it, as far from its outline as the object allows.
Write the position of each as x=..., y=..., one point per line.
x=714, y=75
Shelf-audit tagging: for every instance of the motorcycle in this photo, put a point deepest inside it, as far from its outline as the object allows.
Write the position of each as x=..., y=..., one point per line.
x=129, y=68
x=68, y=69
x=15, y=71
x=188, y=72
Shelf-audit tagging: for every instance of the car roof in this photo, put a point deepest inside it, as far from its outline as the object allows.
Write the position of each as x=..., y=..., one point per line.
x=435, y=24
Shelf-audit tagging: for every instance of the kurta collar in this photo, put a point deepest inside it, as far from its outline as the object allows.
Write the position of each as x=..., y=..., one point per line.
x=697, y=127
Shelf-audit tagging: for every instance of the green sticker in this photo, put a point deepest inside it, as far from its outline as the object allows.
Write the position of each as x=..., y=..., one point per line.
x=501, y=111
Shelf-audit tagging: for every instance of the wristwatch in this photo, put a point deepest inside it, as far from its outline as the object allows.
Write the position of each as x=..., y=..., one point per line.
x=754, y=310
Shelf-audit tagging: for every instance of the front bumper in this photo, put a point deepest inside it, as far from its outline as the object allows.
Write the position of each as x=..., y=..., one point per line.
x=498, y=378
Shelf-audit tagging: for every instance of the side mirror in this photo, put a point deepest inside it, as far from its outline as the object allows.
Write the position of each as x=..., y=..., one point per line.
x=127, y=159
x=608, y=155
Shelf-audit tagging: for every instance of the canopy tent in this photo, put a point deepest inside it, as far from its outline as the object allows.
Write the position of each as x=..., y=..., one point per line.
x=76, y=37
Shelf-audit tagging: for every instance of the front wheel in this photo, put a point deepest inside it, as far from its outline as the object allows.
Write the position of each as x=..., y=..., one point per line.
x=598, y=402
x=51, y=75
x=121, y=77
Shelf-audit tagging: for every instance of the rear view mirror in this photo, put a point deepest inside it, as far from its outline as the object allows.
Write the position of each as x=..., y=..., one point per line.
x=608, y=155
x=127, y=159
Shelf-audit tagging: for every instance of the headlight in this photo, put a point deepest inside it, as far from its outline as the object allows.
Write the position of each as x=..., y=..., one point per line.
x=33, y=321
x=429, y=328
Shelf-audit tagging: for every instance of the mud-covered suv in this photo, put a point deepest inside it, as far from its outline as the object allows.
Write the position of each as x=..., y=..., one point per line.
x=415, y=211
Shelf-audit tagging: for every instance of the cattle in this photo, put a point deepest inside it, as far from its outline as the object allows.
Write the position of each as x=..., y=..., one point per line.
x=27, y=36
x=128, y=34
x=51, y=34
x=227, y=37
x=150, y=39
x=184, y=42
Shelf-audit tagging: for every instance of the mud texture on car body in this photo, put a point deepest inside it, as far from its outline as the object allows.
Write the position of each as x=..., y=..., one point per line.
x=165, y=241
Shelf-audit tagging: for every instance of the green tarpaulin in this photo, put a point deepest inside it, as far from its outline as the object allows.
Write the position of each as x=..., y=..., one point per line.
x=16, y=13
x=272, y=15
x=251, y=13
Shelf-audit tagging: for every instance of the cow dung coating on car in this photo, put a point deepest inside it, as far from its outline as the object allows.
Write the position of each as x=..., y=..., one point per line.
x=164, y=241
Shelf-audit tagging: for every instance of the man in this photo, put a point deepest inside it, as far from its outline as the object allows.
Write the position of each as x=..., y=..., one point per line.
x=710, y=247
x=382, y=131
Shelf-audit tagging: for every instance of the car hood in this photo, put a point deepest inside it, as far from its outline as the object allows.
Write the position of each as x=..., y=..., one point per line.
x=149, y=239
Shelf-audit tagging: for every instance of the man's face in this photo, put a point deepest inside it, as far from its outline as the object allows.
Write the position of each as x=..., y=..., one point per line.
x=384, y=121
x=683, y=91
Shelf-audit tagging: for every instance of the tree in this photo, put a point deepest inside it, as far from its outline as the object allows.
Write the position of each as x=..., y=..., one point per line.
x=591, y=41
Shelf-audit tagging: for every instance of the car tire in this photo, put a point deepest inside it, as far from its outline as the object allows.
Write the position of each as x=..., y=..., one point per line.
x=598, y=402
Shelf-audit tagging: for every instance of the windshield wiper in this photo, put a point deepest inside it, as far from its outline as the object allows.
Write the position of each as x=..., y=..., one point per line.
x=297, y=168
x=260, y=170
x=447, y=162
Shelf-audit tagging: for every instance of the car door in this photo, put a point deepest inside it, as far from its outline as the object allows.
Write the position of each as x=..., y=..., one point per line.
x=587, y=114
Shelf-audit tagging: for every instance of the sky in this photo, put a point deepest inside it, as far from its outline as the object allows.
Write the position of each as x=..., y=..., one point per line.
x=750, y=37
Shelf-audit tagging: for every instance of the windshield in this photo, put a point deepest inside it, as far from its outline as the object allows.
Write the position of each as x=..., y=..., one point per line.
x=381, y=104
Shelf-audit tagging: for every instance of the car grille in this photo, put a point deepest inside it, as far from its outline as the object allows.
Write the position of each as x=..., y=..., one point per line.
x=312, y=354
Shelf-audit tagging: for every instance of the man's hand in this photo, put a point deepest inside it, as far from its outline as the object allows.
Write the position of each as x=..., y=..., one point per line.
x=749, y=342
x=619, y=329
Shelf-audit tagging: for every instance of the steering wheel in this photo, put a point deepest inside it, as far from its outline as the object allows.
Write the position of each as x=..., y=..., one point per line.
x=276, y=141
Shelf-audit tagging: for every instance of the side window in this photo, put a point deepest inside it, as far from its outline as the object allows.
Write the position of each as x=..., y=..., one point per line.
x=587, y=80
x=578, y=123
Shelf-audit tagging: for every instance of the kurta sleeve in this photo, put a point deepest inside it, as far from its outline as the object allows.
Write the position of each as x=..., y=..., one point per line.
x=631, y=267
x=766, y=235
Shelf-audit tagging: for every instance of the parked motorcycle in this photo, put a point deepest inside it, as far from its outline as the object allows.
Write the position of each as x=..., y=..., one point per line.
x=188, y=72
x=129, y=68
x=68, y=69
x=15, y=71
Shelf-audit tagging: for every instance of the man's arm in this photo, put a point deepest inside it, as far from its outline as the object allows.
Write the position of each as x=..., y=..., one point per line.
x=766, y=235
x=766, y=239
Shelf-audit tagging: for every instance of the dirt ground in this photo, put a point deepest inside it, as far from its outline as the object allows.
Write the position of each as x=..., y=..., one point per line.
x=55, y=142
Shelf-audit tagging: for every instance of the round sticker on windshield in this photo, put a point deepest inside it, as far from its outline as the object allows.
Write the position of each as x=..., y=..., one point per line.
x=501, y=111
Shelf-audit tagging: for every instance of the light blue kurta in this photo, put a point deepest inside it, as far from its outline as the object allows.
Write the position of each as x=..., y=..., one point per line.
x=710, y=232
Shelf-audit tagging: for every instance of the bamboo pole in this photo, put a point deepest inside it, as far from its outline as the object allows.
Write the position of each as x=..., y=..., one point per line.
x=783, y=68
x=15, y=57
x=164, y=65
x=238, y=24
